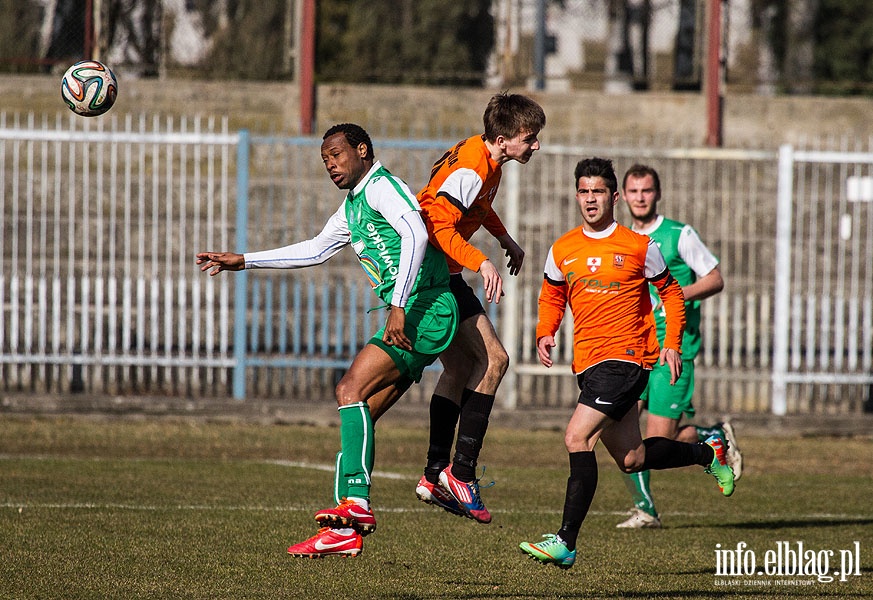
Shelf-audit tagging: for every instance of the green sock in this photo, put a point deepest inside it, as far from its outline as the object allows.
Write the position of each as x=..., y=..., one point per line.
x=703, y=433
x=356, y=436
x=340, y=485
x=638, y=486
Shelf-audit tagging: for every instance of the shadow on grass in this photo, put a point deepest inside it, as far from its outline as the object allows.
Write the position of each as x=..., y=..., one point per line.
x=781, y=524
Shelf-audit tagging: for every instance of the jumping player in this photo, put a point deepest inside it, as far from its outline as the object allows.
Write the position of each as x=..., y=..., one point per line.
x=602, y=271
x=380, y=220
x=456, y=202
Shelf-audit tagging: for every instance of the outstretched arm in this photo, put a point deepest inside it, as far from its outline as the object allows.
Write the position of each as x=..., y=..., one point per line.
x=332, y=238
x=220, y=261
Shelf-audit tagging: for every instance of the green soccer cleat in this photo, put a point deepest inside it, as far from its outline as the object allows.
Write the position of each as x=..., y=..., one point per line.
x=552, y=551
x=719, y=468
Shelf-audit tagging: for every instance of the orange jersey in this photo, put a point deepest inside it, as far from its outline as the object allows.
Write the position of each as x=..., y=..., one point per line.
x=604, y=279
x=457, y=201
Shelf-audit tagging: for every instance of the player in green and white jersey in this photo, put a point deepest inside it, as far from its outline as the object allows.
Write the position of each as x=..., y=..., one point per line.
x=380, y=219
x=696, y=270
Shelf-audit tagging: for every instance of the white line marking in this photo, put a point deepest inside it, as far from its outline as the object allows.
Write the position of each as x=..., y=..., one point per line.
x=282, y=463
x=329, y=468
x=322, y=467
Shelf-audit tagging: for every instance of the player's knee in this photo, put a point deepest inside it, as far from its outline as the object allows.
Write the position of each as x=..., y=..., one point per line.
x=501, y=360
x=346, y=393
x=575, y=441
x=498, y=364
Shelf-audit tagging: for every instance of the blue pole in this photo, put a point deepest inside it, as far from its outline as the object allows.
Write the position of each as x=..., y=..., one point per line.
x=241, y=287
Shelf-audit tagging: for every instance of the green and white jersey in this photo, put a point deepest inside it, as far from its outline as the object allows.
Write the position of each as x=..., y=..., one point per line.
x=376, y=213
x=380, y=218
x=688, y=259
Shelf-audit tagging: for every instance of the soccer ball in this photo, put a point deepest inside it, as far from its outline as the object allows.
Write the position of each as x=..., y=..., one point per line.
x=89, y=88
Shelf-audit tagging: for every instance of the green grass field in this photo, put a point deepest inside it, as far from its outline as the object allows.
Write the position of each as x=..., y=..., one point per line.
x=184, y=509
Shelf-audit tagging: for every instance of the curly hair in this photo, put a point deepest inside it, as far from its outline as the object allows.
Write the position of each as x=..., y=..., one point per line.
x=355, y=135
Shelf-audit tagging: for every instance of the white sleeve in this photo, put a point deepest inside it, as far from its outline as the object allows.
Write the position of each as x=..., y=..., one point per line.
x=694, y=252
x=315, y=251
x=655, y=263
x=413, y=245
x=551, y=270
x=392, y=198
x=461, y=188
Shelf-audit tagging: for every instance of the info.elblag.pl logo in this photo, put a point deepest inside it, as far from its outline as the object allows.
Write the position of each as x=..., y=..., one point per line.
x=786, y=559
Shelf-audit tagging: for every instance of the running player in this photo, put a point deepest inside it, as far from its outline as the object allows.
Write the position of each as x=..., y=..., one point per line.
x=381, y=221
x=602, y=270
x=696, y=269
x=457, y=201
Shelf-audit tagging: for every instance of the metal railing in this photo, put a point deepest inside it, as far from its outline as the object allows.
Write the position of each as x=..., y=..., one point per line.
x=100, y=292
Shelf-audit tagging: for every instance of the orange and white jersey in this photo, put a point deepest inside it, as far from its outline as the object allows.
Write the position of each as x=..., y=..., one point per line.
x=604, y=278
x=457, y=201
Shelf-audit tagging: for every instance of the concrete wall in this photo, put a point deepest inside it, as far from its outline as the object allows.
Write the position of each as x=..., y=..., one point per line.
x=581, y=116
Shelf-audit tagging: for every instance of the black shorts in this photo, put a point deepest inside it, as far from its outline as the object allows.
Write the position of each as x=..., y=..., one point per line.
x=612, y=387
x=468, y=303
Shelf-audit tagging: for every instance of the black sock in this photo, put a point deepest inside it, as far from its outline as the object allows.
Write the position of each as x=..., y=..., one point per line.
x=473, y=423
x=664, y=453
x=443, y=420
x=581, y=486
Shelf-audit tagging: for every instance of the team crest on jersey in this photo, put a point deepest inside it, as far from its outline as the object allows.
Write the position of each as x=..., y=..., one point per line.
x=593, y=263
x=618, y=261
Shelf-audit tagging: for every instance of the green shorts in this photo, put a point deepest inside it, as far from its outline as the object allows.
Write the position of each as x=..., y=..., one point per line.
x=671, y=401
x=431, y=323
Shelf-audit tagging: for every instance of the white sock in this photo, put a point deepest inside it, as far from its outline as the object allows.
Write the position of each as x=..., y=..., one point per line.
x=363, y=503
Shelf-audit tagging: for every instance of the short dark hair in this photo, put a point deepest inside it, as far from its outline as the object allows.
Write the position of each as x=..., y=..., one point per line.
x=355, y=135
x=510, y=114
x=597, y=167
x=637, y=171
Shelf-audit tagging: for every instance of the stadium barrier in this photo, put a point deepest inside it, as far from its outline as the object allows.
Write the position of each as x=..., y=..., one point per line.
x=100, y=293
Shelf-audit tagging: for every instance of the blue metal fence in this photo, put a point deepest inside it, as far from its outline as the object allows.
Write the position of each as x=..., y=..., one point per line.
x=99, y=291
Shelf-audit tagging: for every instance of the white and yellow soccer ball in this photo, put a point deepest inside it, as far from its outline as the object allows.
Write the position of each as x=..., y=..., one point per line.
x=89, y=88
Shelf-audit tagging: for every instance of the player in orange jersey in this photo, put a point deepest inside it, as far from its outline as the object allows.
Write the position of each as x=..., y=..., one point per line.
x=456, y=202
x=602, y=270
